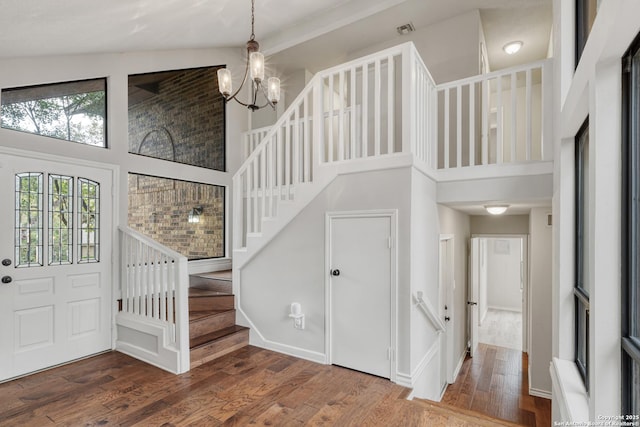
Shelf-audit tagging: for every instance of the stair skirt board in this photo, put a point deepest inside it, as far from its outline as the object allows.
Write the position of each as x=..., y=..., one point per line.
x=145, y=340
x=258, y=340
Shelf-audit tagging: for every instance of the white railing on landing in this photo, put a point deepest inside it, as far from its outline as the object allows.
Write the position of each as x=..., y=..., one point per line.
x=495, y=118
x=363, y=109
x=154, y=286
x=386, y=105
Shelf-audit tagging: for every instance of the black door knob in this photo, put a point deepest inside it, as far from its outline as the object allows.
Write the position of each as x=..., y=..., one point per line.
x=6, y=279
x=447, y=318
x=335, y=272
x=6, y=262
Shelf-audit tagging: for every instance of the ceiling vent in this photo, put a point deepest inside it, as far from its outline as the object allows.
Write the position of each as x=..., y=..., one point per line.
x=406, y=29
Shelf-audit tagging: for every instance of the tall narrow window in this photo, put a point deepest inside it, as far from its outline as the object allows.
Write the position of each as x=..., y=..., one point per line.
x=60, y=219
x=631, y=231
x=88, y=221
x=581, y=287
x=28, y=221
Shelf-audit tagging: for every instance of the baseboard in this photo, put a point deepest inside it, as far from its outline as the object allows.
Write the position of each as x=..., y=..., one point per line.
x=257, y=339
x=456, y=371
x=290, y=350
x=539, y=393
x=409, y=380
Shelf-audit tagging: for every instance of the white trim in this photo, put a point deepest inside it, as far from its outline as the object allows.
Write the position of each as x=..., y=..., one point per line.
x=209, y=265
x=568, y=391
x=409, y=380
x=113, y=217
x=540, y=393
x=456, y=371
x=392, y=214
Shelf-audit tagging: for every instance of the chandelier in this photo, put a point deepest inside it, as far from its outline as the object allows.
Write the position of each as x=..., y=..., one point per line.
x=255, y=65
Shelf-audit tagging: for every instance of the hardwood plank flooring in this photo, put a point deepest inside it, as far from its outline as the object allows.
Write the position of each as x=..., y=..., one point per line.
x=248, y=386
x=496, y=383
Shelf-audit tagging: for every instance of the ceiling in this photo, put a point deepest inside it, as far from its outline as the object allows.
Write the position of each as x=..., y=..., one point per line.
x=515, y=208
x=308, y=32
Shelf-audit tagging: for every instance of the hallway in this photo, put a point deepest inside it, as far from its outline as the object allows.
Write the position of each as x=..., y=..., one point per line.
x=496, y=383
x=502, y=328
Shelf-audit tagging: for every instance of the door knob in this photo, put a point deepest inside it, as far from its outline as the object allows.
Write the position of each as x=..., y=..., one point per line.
x=472, y=303
x=6, y=262
x=6, y=279
x=335, y=272
x=447, y=318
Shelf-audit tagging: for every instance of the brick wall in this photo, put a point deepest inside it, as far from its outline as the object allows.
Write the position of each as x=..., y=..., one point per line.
x=159, y=208
x=181, y=118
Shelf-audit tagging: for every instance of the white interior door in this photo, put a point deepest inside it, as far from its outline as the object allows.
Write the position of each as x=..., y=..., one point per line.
x=55, y=247
x=442, y=311
x=474, y=296
x=360, y=258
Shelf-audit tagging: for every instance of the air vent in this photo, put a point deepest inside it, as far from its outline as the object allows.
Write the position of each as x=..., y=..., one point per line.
x=406, y=29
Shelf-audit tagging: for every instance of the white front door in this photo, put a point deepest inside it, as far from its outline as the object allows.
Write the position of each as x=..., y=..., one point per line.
x=360, y=259
x=55, y=252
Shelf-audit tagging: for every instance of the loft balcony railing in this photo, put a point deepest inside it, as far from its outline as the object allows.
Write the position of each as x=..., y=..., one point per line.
x=386, y=105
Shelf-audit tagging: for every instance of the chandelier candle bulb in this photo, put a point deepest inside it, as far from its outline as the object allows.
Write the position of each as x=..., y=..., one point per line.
x=257, y=66
x=273, y=85
x=225, y=84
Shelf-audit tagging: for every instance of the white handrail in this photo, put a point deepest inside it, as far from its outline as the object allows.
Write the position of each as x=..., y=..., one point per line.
x=429, y=311
x=154, y=284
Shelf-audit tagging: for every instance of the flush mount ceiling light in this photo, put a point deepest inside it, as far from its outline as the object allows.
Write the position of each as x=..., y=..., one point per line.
x=406, y=29
x=496, y=209
x=255, y=63
x=512, y=47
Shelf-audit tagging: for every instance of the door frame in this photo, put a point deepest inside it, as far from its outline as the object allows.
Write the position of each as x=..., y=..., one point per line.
x=392, y=214
x=449, y=291
x=526, y=308
x=112, y=217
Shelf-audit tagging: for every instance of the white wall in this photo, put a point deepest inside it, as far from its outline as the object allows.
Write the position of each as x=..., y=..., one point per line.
x=450, y=48
x=292, y=266
x=116, y=67
x=503, y=281
x=483, y=307
x=458, y=223
x=425, y=360
x=540, y=270
x=593, y=89
x=499, y=224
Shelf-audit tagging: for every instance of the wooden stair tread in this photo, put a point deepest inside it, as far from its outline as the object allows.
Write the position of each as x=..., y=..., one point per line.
x=472, y=416
x=197, y=292
x=205, y=339
x=197, y=315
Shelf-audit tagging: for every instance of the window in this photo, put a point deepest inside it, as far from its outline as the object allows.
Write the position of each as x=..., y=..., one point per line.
x=50, y=200
x=586, y=11
x=178, y=116
x=60, y=219
x=581, y=286
x=28, y=221
x=631, y=231
x=89, y=221
x=73, y=111
x=188, y=217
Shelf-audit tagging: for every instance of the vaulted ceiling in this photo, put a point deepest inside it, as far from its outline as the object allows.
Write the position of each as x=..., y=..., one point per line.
x=36, y=27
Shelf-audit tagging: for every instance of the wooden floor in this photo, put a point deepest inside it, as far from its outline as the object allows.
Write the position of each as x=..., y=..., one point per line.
x=495, y=382
x=248, y=386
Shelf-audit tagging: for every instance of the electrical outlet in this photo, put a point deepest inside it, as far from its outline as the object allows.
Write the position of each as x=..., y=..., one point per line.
x=298, y=322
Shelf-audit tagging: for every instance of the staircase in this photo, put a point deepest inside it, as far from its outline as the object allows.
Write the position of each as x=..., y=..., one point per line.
x=212, y=316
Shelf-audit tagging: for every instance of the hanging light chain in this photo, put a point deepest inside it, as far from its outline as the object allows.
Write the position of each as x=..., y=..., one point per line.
x=253, y=3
